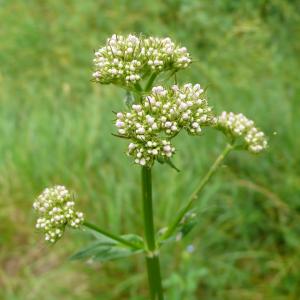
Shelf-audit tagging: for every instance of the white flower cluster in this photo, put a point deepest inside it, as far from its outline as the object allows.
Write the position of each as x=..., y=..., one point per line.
x=145, y=153
x=56, y=209
x=126, y=60
x=237, y=125
x=161, y=116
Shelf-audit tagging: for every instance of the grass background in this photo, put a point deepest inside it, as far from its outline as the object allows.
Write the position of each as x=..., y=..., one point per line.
x=55, y=128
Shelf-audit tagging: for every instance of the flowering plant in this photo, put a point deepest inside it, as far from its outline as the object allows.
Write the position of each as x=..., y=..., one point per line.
x=154, y=116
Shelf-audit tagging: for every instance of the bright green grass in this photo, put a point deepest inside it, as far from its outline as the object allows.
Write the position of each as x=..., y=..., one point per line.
x=55, y=127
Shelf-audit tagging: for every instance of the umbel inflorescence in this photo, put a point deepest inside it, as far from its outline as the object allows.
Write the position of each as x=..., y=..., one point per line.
x=126, y=60
x=238, y=126
x=55, y=207
x=161, y=116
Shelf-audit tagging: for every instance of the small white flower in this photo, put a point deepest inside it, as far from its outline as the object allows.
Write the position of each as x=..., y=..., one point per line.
x=150, y=119
x=167, y=148
x=131, y=146
x=168, y=124
x=142, y=162
x=154, y=126
x=119, y=123
x=154, y=151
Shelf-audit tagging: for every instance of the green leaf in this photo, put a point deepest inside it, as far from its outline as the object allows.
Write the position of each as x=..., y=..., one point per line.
x=171, y=164
x=106, y=249
x=133, y=238
x=168, y=161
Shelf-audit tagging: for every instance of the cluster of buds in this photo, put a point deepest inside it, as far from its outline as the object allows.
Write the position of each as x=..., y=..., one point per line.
x=237, y=125
x=126, y=60
x=55, y=207
x=160, y=117
x=145, y=153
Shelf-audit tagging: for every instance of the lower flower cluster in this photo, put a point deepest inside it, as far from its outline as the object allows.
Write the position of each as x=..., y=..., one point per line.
x=237, y=125
x=145, y=154
x=160, y=117
x=55, y=207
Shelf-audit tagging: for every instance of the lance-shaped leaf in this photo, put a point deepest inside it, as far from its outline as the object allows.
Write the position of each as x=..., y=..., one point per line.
x=168, y=161
x=105, y=249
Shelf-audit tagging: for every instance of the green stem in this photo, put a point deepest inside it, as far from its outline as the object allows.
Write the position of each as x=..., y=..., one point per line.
x=110, y=235
x=152, y=259
x=147, y=208
x=196, y=193
x=138, y=87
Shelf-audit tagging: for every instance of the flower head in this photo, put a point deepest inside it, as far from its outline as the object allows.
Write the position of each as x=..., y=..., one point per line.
x=55, y=208
x=238, y=126
x=160, y=117
x=126, y=60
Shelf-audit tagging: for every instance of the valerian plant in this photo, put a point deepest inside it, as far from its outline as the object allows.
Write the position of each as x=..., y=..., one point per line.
x=155, y=114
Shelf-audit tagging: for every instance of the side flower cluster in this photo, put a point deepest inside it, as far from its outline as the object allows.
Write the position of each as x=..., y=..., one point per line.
x=126, y=60
x=55, y=207
x=160, y=117
x=237, y=125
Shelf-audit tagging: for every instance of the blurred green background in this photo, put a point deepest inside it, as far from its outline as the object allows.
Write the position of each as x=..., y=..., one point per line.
x=55, y=128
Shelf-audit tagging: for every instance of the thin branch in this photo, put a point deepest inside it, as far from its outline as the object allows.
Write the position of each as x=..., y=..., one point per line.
x=110, y=235
x=196, y=193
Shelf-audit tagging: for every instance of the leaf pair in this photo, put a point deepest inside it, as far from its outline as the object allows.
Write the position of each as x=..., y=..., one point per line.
x=105, y=248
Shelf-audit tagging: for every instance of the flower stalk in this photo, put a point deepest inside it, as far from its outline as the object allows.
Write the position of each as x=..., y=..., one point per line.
x=152, y=258
x=198, y=190
x=150, y=82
